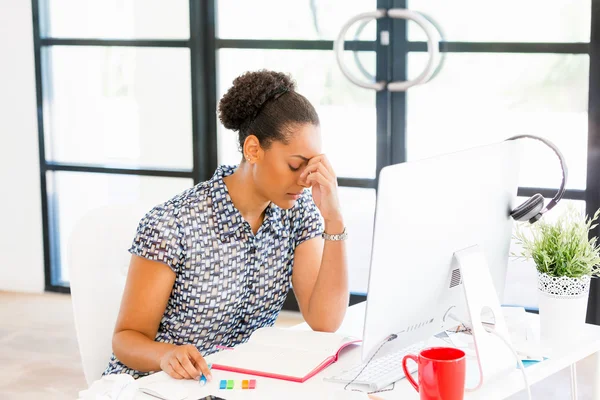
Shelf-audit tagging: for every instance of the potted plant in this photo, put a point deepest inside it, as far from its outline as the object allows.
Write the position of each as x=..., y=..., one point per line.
x=566, y=259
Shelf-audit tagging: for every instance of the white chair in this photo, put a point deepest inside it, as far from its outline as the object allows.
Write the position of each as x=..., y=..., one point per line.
x=98, y=264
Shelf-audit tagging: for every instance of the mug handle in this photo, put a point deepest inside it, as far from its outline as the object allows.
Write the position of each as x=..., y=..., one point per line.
x=406, y=373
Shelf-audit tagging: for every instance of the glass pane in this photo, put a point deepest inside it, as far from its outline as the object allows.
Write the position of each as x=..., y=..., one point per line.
x=506, y=21
x=359, y=221
x=482, y=98
x=298, y=19
x=347, y=112
x=119, y=106
x=521, y=275
x=74, y=194
x=119, y=19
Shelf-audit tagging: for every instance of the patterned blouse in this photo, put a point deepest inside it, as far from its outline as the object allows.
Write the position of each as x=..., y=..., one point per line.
x=229, y=282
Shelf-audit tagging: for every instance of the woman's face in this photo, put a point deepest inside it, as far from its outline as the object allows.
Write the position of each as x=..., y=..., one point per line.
x=277, y=170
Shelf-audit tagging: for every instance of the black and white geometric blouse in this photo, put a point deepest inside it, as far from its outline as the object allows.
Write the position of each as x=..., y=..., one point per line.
x=229, y=282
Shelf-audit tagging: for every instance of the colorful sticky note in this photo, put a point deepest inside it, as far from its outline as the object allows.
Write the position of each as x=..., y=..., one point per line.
x=244, y=384
x=230, y=384
x=252, y=384
x=223, y=384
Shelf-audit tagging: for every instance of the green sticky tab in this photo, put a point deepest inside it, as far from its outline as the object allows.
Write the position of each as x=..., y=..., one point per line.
x=230, y=384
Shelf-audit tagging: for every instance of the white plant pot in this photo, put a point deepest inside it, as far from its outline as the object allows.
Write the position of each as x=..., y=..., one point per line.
x=563, y=306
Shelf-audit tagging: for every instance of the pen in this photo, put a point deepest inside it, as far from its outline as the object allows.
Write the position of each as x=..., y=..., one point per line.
x=203, y=378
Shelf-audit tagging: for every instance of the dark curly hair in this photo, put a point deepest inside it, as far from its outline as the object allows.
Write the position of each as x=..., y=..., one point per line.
x=265, y=104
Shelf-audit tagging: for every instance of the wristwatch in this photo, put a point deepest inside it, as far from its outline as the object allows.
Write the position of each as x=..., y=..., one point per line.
x=336, y=237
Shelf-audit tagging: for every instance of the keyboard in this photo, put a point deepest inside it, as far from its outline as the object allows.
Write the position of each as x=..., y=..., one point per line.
x=381, y=371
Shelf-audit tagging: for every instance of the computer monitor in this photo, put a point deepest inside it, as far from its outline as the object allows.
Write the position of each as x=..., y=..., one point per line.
x=426, y=211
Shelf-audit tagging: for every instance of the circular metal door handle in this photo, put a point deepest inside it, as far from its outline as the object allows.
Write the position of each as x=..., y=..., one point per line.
x=400, y=13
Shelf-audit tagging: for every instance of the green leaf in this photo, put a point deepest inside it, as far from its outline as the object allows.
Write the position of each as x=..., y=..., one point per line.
x=562, y=248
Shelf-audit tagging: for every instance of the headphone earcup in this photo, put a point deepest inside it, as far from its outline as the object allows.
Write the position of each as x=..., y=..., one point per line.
x=529, y=209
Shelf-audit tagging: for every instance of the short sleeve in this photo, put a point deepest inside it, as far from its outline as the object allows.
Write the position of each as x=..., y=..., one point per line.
x=159, y=237
x=308, y=220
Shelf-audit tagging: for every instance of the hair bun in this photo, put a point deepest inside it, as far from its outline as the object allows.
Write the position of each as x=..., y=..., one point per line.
x=248, y=94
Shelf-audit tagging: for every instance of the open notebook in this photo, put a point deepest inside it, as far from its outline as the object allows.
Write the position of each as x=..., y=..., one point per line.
x=283, y=353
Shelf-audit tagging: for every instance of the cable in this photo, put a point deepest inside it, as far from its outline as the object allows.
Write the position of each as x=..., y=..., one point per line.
x=387, y=339
x=507, y=343
x=468, y=329
x=519, y=362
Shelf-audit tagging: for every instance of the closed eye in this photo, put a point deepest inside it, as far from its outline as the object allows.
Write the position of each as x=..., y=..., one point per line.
x=293, y=169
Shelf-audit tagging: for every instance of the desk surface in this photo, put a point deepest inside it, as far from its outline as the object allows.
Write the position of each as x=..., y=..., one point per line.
x=316, y=388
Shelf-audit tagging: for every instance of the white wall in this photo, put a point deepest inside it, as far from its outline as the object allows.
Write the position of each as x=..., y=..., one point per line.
x=21, y=247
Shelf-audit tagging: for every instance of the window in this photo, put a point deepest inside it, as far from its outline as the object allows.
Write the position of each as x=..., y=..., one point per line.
x=117, y=19
x=514, y=21
x=299, y=19
x=480, y=98
x=119, y=85
x=110, y=91
x=113, y=105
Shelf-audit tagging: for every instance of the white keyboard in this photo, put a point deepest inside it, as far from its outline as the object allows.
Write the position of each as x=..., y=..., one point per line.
x=381, y=371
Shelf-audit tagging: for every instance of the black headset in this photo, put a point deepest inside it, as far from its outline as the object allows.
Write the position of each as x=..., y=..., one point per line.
x=533, y=208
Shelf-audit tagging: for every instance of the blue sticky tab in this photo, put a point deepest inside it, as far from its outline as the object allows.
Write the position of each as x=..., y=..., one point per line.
x=223, y=384
x=529, y=363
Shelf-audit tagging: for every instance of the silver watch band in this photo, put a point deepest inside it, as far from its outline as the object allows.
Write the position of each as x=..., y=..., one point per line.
x=336, y=237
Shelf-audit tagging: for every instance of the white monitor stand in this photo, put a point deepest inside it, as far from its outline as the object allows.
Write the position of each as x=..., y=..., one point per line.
x=494, y=358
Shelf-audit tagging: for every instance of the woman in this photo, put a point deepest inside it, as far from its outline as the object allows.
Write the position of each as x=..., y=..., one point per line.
x=213, y=264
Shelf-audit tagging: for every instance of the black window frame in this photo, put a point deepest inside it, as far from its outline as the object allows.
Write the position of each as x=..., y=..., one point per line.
x=391, y=107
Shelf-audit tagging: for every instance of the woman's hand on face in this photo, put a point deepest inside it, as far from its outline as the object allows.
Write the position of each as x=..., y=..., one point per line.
x=320, y=176
x=185, y=362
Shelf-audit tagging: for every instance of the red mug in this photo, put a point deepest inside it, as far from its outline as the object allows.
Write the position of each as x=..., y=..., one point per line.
x=441, y=373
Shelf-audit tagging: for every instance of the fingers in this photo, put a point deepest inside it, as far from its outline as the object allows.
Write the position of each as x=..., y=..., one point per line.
x=200, y=363
x=186, y=364
x=172, y=372
x=322, y=158
x=314, y=168
x=177, y=367
x=317, y=177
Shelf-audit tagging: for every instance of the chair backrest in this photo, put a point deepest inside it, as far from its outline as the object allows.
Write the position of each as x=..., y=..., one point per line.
x=98, y=264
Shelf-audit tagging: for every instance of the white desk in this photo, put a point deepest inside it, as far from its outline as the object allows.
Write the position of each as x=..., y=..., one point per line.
x=316, y=388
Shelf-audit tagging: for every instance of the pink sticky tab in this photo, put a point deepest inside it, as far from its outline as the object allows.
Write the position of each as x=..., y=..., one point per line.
x=252, y=384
